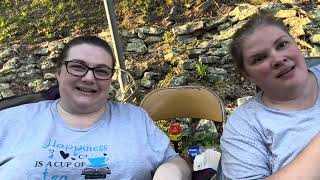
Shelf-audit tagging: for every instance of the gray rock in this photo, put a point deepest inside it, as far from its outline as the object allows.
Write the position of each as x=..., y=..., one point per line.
x=226, y=59
x=4, y=86
x=213, y=78
x=129, y=34
x=179, y=81
x=16, y=48
x=140, y=32
x=7, y=78
x=135, y=40
x=213, y=70
x=204, y=59
x=153, y=39
x=225, y=43
x=206, y=36
x=274, y=7
x=219, y=52
x=206, y=133
x=32, y=59
x=138, y=73
x=224, y=26
x=189, y=64
x=196, y=52
x=7, y=93
x=215, y=23
x=6, y=53
x=243, y=11
x=10, y=65
x=139, y=48
x=30, y=74
x=26, y=68
x=188, y=28
x=49, y=76
x=152, y=31
x=186, y=38
x=55, y=45
x=209, y=44
x=41, y=52
x=165, y=68
x=153, y=75
x=47, y=64
x=39, y=85
x=228, y=33
x=147, y=83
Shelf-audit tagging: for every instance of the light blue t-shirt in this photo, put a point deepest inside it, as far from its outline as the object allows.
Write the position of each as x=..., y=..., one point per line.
x=123, y=144
x=258, y=140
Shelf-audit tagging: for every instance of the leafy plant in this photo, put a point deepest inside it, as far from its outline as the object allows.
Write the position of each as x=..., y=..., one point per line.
x=163, y=125
x=60, y=7
x=168, y=37
x=201, y=70
x=219, y=84
x=3, y=22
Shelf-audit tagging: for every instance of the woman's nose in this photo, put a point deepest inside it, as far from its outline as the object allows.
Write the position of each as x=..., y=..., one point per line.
x=277, y=63
x=278, y=60
x=89, y=76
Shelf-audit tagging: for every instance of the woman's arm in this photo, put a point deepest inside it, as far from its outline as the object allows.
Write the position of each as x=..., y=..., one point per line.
x=174, y=169
x=304, y=166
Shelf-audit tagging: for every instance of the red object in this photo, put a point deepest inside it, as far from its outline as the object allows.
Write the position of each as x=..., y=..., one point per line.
x=175, y=129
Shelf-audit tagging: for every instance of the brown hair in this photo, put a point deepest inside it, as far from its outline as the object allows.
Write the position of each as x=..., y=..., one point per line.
x=256, y=20
x=92, y=40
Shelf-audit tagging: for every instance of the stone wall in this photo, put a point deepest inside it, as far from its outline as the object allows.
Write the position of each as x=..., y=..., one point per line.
x=195, y=53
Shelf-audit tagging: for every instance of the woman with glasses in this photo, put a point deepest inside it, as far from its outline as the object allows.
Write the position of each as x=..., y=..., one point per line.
x=82, y=135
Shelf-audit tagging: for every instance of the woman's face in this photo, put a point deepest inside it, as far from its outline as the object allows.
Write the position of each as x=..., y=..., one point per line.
x=273, y=61
x=84, y=94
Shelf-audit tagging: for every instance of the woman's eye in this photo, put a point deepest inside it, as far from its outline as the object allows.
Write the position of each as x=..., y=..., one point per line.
x=102, y=71
x=258, y=59
x=282, y=44
x=78, y=67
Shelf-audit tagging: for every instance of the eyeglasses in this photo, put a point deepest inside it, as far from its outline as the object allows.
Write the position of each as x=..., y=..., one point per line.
x=79, y=69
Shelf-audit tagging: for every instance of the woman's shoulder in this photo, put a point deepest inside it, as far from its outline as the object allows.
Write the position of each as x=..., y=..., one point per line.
x=38, y=106
x=124, y=107
x=246, y=112
x=316, y=70
x=26, y=113
x=252, y=104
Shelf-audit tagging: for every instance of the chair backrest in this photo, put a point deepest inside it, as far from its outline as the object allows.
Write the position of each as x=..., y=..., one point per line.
x=50, y=94
x=184, y=102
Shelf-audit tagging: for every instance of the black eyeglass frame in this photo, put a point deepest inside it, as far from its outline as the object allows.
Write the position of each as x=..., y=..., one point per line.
x=88, y=68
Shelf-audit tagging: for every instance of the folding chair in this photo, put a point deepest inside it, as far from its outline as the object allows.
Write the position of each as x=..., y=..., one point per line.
x=184, y=102
x=50, y=94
